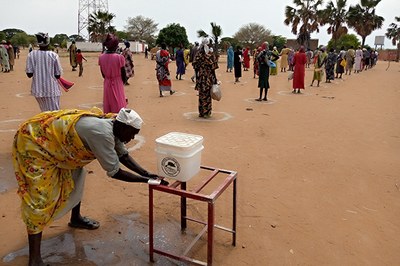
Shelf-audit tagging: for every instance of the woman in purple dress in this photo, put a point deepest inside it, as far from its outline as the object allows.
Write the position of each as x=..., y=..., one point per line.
x=180, y=62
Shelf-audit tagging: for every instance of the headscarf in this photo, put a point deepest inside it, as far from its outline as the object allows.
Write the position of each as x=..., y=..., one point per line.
x=111, y=42
x=204, y=45
x=43, y=39
x=127, y=44
x=264, y=46
x=130, y=118
x=301, y=50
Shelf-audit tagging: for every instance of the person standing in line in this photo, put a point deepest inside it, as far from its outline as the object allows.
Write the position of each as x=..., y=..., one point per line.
x=284, y=58
x=350, y=55
x=146, y=52
x=11, y=55
x=230, y=54
x=237, y=63
x=129, y=66
x=290, y=59
x=330, y=65
x=366, y=58
x=256, y=67
x=186, y=55
x=5, y=63
x=205, y=65
x=274, y=70
x=263, y=64
x=299, y=63
x=112, y=67
x=44, y=67
x=193, y=53
x=162, y=70
x=319, y=62
x=339, y=66
x=16, y=51
x=72, y=56
x=180, y=63
x=246, y=59
x=310, y=56
x=79, y=61
x=49, y=153
x=358, y=60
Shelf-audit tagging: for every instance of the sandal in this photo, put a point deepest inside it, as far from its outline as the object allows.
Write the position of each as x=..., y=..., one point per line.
x=85, y=223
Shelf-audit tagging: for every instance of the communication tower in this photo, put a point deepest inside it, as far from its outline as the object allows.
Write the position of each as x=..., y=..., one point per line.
x=86, y=8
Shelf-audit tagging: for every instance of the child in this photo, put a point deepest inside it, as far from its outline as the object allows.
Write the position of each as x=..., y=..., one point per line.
x=79, y=60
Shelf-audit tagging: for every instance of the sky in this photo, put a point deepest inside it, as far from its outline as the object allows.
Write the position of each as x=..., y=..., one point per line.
x=61, y=16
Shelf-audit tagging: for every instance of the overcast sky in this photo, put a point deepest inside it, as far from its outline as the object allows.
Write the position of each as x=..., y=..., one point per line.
x=61, y=16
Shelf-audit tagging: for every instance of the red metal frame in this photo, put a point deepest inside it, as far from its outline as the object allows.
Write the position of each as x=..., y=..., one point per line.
x=179, y=188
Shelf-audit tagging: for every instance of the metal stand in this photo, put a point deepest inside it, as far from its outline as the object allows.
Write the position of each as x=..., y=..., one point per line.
x=209, y=225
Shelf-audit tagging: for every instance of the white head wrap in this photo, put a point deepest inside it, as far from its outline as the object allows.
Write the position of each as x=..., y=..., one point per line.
x=204, y=44
x=211, y=50
x=130, y=117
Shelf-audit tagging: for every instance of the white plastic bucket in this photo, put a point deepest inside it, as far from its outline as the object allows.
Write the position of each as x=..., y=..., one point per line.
x=179, y=155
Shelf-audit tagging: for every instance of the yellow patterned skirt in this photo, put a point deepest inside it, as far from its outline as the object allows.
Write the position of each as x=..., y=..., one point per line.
x=46, y=149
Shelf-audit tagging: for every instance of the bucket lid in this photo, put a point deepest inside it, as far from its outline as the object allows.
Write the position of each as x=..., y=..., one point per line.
x=177, y=139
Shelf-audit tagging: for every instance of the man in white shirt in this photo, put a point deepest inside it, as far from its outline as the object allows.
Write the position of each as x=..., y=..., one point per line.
x=44, y=67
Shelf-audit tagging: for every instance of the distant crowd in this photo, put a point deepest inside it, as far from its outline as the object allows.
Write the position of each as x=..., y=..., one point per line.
x=8, y=53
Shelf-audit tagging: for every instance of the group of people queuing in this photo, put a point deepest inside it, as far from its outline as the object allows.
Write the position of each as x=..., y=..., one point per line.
x=265, y=64
x=334, y=64
x=51, y=148
x=8, y=54
x=204, y=64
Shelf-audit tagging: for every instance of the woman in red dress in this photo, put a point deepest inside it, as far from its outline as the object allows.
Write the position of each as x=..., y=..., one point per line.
x=299, y=63
x=246, y=59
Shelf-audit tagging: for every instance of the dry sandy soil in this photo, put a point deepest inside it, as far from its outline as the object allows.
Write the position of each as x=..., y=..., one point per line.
x=318, y=172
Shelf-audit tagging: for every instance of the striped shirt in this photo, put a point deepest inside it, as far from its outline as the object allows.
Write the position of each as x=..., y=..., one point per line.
x=44, y=65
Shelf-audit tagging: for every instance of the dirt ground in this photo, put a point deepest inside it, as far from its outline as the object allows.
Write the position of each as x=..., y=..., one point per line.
x=318, y=172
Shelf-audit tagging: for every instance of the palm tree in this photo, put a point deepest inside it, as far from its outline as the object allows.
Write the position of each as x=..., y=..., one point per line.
x=335, y=17
x=306, y=16
x=393, y=33
x=216, y=32
x=362, y=18
x=99, y=25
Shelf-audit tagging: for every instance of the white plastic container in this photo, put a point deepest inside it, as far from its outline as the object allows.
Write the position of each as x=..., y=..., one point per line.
x=179, y=155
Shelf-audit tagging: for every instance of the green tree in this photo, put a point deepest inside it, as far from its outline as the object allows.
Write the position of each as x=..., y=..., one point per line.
x=99, y=25
x=76, y=37
x=59, y=39
x=304, y=19
x=278, y=41
x=141, y=29
x=11, y=32
x=362, y=18
x=122, y=35
x=335, y=17
x=216, y=32
x=2, y=36
x=228, y=41
x=253, y=35
x=346, y=40
x=393, y=33
x=22, y=39
x=173, y=35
